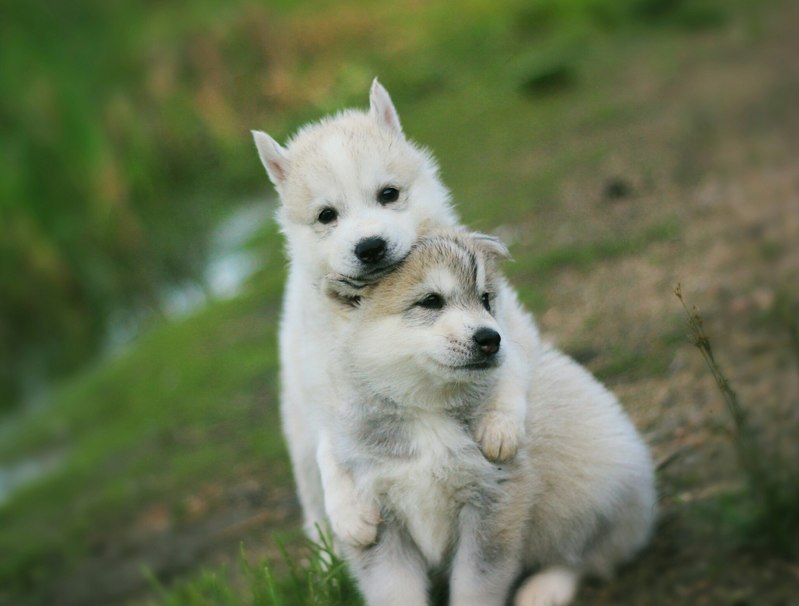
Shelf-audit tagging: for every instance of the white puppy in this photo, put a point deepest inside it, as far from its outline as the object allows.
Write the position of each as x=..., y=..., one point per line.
x=355, y=195
x=421, y=351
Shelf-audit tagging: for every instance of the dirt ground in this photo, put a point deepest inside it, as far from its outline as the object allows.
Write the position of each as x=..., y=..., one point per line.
x=730, y=176
x=734, y=185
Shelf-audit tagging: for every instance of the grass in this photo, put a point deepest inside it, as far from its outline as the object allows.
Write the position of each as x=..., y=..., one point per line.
x=786, y=313
x=583, y=255
x=143, y=429
x=766, y=512
x=193, y=402
x=320, y=580
x=161, y=114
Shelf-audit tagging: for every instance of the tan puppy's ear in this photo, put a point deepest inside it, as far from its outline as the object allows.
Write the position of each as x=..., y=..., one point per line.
x=273, y=156
x=491, y=246
x=382, y=109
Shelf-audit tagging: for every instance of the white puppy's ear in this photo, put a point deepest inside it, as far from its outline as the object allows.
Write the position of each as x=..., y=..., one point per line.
x=382, y=109
x=273, y=156
x=344, y=291
x=491, y=245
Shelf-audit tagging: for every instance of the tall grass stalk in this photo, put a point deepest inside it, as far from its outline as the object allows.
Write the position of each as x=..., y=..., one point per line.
x=773, y=482
x=743, y=435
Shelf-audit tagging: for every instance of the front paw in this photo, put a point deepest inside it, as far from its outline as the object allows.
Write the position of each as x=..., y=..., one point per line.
x=354, y=522
x=499, y=435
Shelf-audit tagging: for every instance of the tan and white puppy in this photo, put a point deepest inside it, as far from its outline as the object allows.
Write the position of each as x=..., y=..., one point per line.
x=355, y=195
x=422, y=351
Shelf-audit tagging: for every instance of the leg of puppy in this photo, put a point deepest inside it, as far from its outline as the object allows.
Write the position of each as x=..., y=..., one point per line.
x=392, y=572
x=629, y=533
x=353, y=519
x=553, y=586
x=301, y=441
x=487, y=560
x=500, y=430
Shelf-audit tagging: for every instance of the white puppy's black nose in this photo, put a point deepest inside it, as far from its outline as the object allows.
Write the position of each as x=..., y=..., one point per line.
x=487, y=340
x=370, y=250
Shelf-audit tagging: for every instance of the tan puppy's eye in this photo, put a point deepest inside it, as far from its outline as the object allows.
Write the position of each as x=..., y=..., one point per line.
x=486, y=300
x=432, y=301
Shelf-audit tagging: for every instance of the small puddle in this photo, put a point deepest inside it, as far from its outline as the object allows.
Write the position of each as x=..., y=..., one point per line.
x=231, y=262
x=16, y=475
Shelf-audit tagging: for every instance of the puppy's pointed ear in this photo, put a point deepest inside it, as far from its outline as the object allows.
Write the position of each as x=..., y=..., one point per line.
x=382, y=109
x=491, y=246
x=273, y=156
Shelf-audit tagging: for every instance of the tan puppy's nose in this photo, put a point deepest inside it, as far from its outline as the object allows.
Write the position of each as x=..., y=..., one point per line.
x=487, y=340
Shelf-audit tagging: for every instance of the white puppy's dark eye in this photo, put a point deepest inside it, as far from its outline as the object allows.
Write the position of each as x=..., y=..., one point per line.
x=432, y=301
x=486, y=300
x=388, y=195
x=327, y=215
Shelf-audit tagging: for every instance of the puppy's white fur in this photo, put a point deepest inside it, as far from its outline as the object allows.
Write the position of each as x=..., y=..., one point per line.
x=342, y=163
x=577, y=499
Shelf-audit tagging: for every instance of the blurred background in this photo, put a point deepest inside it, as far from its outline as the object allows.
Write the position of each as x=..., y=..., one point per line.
x=620, y=147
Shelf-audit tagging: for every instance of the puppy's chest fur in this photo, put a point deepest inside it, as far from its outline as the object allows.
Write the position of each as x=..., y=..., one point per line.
x=423, y=467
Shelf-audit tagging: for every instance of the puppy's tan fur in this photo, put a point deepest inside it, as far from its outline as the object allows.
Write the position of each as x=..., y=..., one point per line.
x=577, y=499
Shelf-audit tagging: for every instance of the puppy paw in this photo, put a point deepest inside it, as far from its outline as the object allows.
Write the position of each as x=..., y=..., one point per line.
x=354, y=522
x=551, y=587
x=499, y=435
